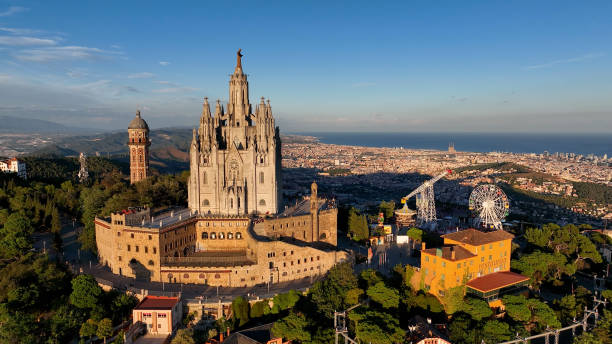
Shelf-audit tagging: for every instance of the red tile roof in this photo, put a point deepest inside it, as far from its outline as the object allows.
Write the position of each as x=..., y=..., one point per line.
x=496, y=280
x=157, y=302
x=475, y=237
x=460, y=252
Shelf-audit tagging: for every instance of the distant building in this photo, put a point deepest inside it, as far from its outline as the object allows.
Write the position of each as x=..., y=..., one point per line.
x=160, y=314
x=481, y=260
x=138, y=142
x=14, y=165
x=451, y=148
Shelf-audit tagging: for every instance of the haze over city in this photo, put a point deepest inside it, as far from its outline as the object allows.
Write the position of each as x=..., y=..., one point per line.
x=359, y=66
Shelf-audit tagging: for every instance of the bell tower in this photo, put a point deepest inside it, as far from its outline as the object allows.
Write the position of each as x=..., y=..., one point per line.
x=138, y=143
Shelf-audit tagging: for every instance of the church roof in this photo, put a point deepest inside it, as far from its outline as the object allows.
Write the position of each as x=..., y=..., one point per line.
x=138, y=122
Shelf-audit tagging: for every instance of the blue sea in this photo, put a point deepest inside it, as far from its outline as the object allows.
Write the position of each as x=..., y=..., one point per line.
x=597, y=144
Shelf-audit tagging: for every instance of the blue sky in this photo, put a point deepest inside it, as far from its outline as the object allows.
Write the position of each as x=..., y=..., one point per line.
x=444, y=66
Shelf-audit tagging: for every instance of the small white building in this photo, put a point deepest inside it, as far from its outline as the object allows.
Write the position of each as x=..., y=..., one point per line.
x=14, y=165
x=160, y=314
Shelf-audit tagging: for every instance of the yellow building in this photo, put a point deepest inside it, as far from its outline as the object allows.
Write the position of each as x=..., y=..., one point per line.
x=480, y=260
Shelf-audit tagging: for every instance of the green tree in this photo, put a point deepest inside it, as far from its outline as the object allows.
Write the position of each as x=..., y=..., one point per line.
x=495, y=331
x=330, y=294
x=88, y=328
x=566, y=307
x=284, y=301
x=517, y=308
x=259, y=309
x=240, y=309
x=357, y=226
x=85, y=292
x=56, y=224
x=105, y=329
x=376, y=327
x=353, y=295
x=387, y=208
x=16, y=235
x=477, y=309
x=381, y=294
x=183, y=336
x=453, y=299
x=463, y=329
x=292, y=327
x=588, y=338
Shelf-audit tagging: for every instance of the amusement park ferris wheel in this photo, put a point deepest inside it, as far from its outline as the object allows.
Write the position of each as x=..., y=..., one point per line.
x=490, y=206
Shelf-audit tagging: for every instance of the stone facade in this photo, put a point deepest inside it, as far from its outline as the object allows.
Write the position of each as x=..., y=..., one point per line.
x=183, y=247
x=235, y=156
x=138, y=142
x=219, y=240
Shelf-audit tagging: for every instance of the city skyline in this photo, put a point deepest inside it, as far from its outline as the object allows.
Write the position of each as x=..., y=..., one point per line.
x=488, y=67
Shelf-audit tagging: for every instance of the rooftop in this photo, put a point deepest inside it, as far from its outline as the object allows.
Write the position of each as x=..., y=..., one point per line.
x=475, y=237
x=157, y=302
x=496, y=280
x=446, y=252
x=255, y=335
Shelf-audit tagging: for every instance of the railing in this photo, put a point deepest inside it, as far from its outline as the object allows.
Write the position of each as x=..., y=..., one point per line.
x=211, y=261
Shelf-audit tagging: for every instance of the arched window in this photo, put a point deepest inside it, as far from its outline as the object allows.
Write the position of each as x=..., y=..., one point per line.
x=323, y=236
x=204, y=235
x=213, y=235
x=151, y=262
x=261, y=160
x=221, y=235
x=230, y=235
x=205, y=202
x=186, y=276
x=238, y=235
x=231, y=203
x=262, y=202
x=238, y=202
x=261, y=178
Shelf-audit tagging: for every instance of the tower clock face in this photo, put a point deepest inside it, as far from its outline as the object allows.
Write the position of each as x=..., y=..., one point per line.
x=233, y=165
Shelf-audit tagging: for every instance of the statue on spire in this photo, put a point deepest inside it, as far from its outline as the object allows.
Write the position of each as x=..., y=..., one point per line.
x=239, y=59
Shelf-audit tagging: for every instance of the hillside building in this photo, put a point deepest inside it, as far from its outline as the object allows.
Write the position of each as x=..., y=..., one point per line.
x=220, y=240
x=480, y=260
x=14, y=165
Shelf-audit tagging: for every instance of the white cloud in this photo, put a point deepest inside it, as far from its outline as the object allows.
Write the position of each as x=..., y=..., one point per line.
x=164, y=63
x=18, y=31
x=12, y=10
x=164, y=82
x=25, y=41
x=61, y=53
x=143, y=75
x=175, y=90
x=585, y=57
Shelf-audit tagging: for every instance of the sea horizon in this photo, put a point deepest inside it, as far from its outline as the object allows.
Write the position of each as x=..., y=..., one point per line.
x=584, y=143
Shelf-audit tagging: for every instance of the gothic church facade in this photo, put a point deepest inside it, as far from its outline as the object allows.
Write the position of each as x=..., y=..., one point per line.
x=235, y=156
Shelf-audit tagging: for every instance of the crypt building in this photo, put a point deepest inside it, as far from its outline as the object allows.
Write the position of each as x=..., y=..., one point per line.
x=232, y=233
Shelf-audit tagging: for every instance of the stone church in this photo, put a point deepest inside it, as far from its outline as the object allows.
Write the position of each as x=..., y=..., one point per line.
x=232, y=233
x=235, y=156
